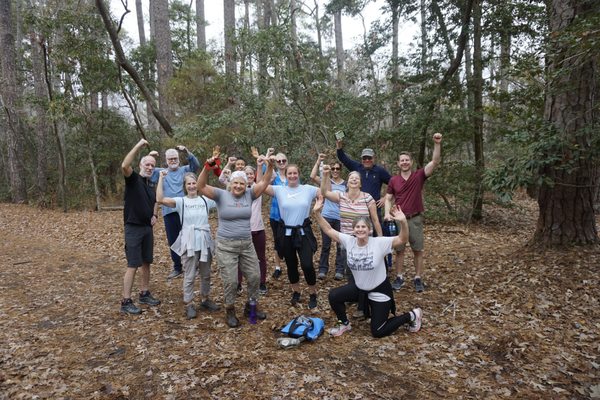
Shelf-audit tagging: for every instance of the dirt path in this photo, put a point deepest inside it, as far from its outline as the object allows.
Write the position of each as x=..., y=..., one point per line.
x=500, y=321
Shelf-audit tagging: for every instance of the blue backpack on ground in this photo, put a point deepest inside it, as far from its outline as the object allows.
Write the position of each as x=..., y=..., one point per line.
x=309, y=328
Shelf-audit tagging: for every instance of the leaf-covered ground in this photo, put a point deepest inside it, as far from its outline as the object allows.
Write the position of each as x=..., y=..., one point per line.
x=500, y=320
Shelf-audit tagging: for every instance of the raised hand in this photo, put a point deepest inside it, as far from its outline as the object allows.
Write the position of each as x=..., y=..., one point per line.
x=216, y=151
x=437, y=137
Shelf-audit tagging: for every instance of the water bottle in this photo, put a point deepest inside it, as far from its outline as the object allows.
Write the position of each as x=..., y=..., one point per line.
x=252, y=313
x=392, y=230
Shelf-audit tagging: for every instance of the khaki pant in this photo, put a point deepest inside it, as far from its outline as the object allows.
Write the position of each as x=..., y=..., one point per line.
x=191, y=266
x=230, y=255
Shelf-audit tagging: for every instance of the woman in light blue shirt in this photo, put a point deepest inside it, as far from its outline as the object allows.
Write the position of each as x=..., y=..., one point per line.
x=294, y=235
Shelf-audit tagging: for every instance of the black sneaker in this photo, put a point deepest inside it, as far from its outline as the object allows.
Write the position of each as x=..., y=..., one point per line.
x=146, y=298
x=295, y=298
x=312, y=301
x=277, y=273
x=209, y=305
x=398, y=283
x=419, y=285
x=127, y=307
x=262, y=289
x=174, y=274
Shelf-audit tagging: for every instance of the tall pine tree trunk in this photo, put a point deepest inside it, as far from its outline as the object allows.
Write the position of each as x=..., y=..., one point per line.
x=339, y=46
x=41, y=121
x=164, y=56
x=200, y=25
x=477, y=111
x=567, y=203
x=10, y=103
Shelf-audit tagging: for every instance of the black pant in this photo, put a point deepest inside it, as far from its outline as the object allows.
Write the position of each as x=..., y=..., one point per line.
x=340, y=254
x=291, y=254
x=381, y=325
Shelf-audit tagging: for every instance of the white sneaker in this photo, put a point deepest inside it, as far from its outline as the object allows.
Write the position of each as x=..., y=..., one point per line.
x=415, y=325
x=340, y=329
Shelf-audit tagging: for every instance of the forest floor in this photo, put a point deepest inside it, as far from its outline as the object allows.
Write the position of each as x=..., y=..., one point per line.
x=501, y=320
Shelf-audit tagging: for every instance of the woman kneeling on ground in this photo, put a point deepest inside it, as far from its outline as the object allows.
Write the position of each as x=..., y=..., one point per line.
x=234, y=236
x=365, y=257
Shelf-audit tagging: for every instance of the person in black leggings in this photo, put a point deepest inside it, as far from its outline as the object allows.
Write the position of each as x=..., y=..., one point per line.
x=365, y=256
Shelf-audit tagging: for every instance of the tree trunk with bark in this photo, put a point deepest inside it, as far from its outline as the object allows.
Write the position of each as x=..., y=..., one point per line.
x=566, y=196
x=477, y=111
x=10, y=105
x=41, y=121
x=229, y=39
x=339, y=46
x=164, y=55
x=200, y=25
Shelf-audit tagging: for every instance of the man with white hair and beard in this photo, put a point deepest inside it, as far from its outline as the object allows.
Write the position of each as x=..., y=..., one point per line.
x=173, y=187
x=139, y=218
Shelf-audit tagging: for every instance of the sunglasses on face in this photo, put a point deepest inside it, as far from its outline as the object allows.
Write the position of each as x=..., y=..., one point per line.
x=281, y=161
x=335, y=168
x=367, y=158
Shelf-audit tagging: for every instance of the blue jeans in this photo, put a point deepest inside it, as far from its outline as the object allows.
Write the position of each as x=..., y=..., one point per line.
x=340, y=254
x=172, y=228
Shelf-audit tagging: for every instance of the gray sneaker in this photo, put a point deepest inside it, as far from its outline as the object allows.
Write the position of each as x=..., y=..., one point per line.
x=398, y=283
x=146, y=298
x=174, y=274
x=419, y=285
x=190, y=311
x=209, y=305
x=338, y=276
x=127, y=307
x=321, y=275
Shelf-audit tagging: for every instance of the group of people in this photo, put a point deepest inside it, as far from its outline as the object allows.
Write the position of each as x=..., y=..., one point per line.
x=348, y=213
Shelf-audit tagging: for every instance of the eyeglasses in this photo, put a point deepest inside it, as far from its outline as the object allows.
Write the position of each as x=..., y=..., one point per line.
x=281, y=161
x=335, y=168
x=366, y=158
x=173, y=159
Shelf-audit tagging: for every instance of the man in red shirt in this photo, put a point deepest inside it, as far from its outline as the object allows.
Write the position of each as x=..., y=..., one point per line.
x=406, y=190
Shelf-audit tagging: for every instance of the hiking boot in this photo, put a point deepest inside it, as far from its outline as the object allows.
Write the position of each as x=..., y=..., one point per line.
x=190, y=311
x=312, y=301
x=338, y=276
x=174, y=274
x=398, y=283
x=295, y=298
x=277, y=273
x=259, y=314
x=321, y=275
x=262, y=289
x=358, y=314
x=415, y=326
x=340, y=329
x=230, y=317
x=146, y=298
x=127, y=307
x=419, y=285
x=209, y=305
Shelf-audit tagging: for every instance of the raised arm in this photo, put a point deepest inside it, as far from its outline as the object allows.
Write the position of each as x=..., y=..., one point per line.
x=437, y=154
x=402, y=237
x=323, y=224
x=126, y=164
x=193, y=163
x=347, y=161
x=263, y=184
x=203, y=187
x=389, y=198
x=326, y=186
x=314, y=174
x=375, y=218
x=160, y=197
